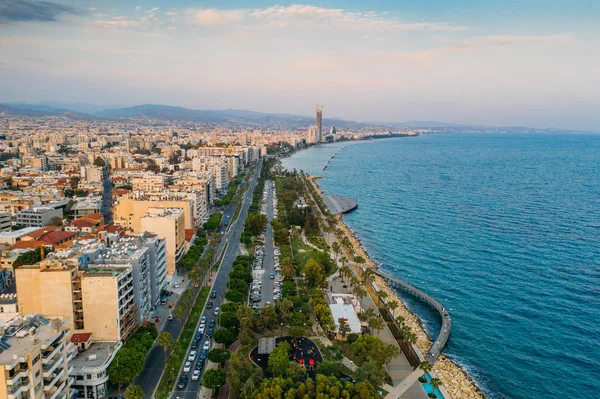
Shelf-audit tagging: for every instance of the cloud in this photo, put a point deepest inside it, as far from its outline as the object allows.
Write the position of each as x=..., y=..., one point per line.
x=547, y=40
x=213, y=17
x=117, y=23
x=30, y=10
x=122, y=22
x=307, y=15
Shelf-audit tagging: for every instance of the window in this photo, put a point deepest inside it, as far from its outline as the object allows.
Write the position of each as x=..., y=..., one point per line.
x=88, y=377
x=36, y=359
x=100, y=374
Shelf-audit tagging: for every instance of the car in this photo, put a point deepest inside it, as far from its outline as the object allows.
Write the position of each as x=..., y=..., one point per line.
x=194, y=344
x=195, y=375
x=187, y=366
x=192, y=356
x=222, y=232
x=217, y=310
x=182, y=381
x=203, y=354
x=170, y=316
x=203, y=320
x=164, y=301
x=209, y=332
x=272, y=276
x=201, y=328
x=228, y=216
x=176, y=285
x=212, y=323
x=213, y=294
x=206, y=345
x=198, y=335
x=209, y=305
x=199, y=364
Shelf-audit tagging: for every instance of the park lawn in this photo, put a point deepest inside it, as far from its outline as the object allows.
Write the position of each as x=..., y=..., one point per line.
x=177, y=356
x=301, y=257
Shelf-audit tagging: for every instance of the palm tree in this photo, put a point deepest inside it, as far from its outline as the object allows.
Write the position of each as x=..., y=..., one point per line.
x=165, y=339
x=134, y=392
x=426, y=366
x=393, y=305
x=435, y=384
x=288, y=270
x=195, y=275
x=343, y=327
x=335, y=247
x=369, y=275
x=382, y=295
x=359, y=291
x=376, y=323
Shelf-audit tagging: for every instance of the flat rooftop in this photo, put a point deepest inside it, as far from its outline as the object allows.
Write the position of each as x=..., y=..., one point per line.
x=97, y=354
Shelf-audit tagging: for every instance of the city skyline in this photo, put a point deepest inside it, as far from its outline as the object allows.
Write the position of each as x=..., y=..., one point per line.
x=518, y=64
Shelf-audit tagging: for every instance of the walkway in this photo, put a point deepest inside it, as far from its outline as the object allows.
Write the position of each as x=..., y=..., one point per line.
x=337, y=204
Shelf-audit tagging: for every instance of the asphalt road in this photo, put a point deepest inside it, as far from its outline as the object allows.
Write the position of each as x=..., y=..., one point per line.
x=106, y=205
x=231, y=236
x=150, y=376
x=267, y=283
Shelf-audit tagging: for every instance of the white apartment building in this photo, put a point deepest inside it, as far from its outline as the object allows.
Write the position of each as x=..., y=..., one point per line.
x=5, y=221
x=37, y=216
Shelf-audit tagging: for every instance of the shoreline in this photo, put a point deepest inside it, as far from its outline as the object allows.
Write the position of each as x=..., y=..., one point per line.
x=457, y=382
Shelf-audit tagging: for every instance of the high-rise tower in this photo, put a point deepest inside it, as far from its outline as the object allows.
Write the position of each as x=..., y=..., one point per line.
x=320, y=121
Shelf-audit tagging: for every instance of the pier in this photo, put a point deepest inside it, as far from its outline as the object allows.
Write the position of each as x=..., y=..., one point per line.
x=444, y=333
x=337, y=205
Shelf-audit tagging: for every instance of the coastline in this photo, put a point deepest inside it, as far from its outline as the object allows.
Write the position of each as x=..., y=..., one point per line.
x=458, y=384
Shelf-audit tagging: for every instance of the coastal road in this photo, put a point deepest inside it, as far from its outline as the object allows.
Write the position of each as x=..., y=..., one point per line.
x=267, y=283
x=231, y=242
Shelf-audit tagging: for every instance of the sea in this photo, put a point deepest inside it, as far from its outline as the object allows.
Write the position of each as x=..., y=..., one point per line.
x=503, y=229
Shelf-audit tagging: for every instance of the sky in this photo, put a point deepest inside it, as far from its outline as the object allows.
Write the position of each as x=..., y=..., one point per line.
x=502, y=63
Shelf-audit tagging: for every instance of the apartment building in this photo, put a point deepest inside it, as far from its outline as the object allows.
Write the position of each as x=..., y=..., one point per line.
x=169, y=225
x=35, y=356
x=38, y=216
x=149, y=183
x=5, y=221
x=129, y=211
x=90, y=367
x=97, y=298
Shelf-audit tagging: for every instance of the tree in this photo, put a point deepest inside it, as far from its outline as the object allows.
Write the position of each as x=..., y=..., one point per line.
x=214, y=378
x=393, y=305
x=314, y=274
x=224, y=336
x=426, y=366
x=435, y=384
x=371, y=372
x=243, y=375
x=134, y=392
x=296, y=331
x=188, y=296
x=279, y=359
x=359, y=291
x=368, y=347
x=195, y=275
x=127, y=364
x=181, y=310
x=99, y=161
x=55, y=221
x=218, y=355
x=256, y=223
x=288, y=270
x=165, y=339
x=376, y=323
x=343, y=327
x=335, y=247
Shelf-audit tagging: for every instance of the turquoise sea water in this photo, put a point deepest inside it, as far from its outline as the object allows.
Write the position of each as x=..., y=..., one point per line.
x=504, y=230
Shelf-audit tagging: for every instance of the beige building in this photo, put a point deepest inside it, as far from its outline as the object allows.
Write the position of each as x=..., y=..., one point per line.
x=128, y=212
x=90, y=300
x=168, y=224
x=35, y=356
x=148, y=182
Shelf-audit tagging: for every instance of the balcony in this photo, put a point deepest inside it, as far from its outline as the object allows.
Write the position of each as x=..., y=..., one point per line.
x=48, y=386
x=16, y=379
x=57, y=392
x=15, y=390
x=48, y=371
x=46, y=359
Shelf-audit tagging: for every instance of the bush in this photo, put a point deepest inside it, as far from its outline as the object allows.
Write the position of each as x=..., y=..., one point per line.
x=224, y=336
x=218, y=355
x=235, y=296
x=352, y=338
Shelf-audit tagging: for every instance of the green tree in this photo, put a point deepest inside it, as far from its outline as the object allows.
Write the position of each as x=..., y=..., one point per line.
x=371, y=372
x=243, y=375
x=314, y=274
x=127, y=364
x=279, y=359
x=55, y=221
x=165, y=339
x=224, y=336
x=256, y=223
x=288, y=270
x=214, y=378
x=181, y=310
x=376, y=323
x=218, y=355
x=343, y=327
x=426, y=367
x=296, y=331
x=435, y=384
x=335, y=247
x=393, y=305
x=368, y=347
x=99, y=161
x=134, y=392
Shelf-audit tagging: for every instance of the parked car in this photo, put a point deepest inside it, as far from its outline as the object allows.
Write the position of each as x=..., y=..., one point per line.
x=209, y=332
x=217, y=310
x=194, y=344
x=170, y=316
x=203, y=354
x=206, y=345
x=201, y=328
x=203, y=320
x=176, y=285
x=212, y=323
x=200, y=364
x=192, y=356
x=198, y=335
x=187, y=366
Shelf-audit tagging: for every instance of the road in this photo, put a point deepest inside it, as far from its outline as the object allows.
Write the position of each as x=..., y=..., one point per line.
x=267, y=283
x=106, y=205
x=230, y=240
x=150, y=375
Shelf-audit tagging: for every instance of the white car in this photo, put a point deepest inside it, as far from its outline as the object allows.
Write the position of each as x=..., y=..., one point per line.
x=196, y=375
x=202, y=328
x=206, y=345
x=187, y=366
x=192, y=356
x=176, y=285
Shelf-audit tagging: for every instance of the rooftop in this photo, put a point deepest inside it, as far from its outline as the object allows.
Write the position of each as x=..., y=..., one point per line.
x=16, y=340
x=17, y=233
x=97, y=354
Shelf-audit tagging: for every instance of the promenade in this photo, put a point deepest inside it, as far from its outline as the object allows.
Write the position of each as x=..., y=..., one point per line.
x=337, y=205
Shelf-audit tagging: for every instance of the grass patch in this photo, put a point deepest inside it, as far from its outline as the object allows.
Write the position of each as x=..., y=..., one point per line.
x=301, y=257
x=180, y=347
